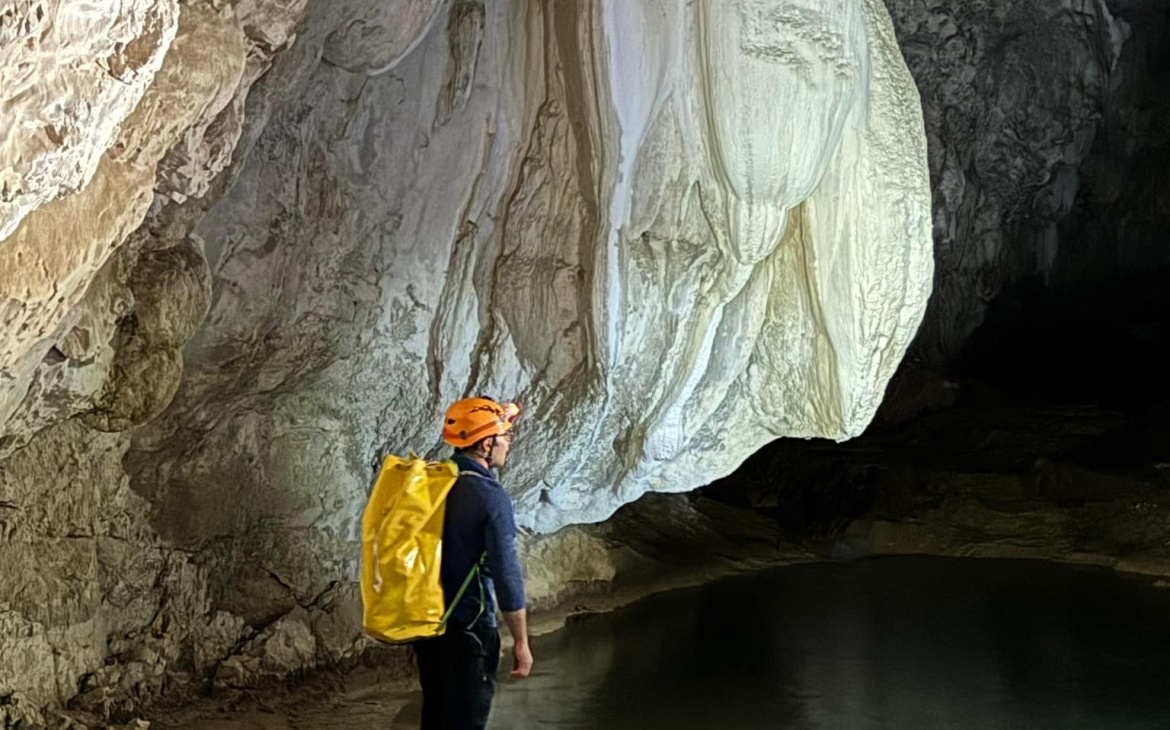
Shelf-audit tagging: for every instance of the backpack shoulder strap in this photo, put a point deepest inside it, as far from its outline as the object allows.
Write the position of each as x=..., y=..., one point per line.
x=473, y=573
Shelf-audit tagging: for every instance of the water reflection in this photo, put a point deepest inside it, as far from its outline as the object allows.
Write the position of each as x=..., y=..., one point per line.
x=892, y=643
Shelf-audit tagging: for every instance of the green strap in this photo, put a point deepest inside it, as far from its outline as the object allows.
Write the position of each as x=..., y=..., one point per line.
x=463, y=589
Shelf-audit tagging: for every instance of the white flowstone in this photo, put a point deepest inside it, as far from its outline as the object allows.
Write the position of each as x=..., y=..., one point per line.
x=673, y=231
x=698, y=228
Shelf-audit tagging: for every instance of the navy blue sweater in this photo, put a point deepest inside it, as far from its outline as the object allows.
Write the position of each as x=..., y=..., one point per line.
x=479, y=519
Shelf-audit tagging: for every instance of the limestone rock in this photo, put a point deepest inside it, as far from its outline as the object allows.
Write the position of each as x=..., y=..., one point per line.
x=1013, y=95
x=567, y=560
x=207, y=146
x=17, y=712
x=70, y=74
x=674, y=231
x=49, y=259
x=63, y=285
x=373, y=38
x=286, y=646
x=336, y=622
x=65, y=514
x=171, y=291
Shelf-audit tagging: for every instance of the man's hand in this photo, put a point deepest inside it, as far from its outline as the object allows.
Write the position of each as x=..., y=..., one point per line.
x=521, y=661
x=518, y=626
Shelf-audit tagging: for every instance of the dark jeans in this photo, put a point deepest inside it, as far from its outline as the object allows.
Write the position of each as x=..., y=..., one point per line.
x=458, y=675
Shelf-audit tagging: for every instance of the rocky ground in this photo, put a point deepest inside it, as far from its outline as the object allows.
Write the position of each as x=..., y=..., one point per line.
x=1063, y=483
x=660, y=543
x=1083, y=483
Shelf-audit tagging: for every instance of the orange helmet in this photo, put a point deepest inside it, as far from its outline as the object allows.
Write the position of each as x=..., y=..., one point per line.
x=471, y=420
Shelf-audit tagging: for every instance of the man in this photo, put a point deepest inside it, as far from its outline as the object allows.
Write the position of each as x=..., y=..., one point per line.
x=457, y=670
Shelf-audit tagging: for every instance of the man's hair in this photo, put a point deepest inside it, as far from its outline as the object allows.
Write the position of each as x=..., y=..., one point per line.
x=473, y=448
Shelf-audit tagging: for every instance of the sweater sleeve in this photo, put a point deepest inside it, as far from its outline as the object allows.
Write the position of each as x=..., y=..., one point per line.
x=502, y=560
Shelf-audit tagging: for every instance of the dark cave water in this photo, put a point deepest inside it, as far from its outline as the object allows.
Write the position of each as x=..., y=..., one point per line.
x=884, y=643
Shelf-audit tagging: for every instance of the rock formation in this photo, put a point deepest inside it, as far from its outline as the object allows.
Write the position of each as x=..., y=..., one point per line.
x=108, y=119
x=249, y=246
x=675, y=233
x=1028, y=108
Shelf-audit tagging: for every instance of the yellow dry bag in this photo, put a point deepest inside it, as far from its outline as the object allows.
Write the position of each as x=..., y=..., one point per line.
x=402, y=545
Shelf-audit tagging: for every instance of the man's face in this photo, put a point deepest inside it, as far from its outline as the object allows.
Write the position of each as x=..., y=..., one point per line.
x=499, y=452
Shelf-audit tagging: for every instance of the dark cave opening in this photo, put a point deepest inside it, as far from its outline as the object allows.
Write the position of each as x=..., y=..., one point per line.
x=1059, y=405
x=1106, y=344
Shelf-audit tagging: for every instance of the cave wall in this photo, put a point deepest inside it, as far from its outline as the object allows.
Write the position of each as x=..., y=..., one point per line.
x=418, y=201
x=298, y=252
x=1093, y=323
x=1116, y=227
x=1047, y=127
x=110, y=120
